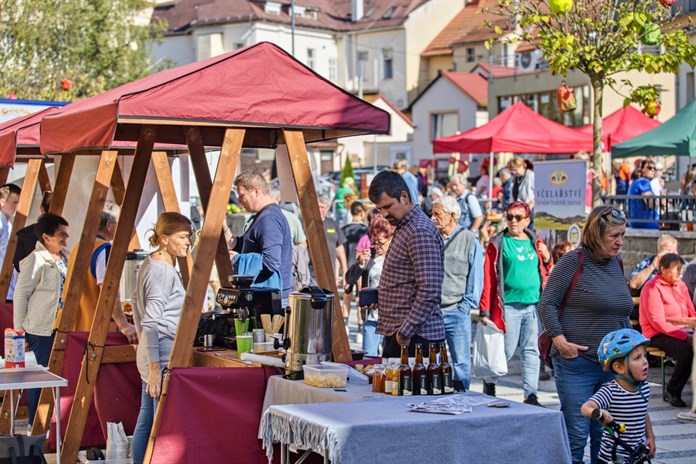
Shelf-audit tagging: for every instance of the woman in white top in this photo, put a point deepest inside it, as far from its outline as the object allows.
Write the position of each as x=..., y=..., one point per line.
x=159, y=299
x=39, y=290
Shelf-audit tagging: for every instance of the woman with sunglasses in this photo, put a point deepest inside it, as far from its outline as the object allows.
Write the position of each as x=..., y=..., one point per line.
x=368, y=269
x=517, y=264
x=588, y=286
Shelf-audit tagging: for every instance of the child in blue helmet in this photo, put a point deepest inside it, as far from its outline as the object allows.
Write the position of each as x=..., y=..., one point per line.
x=624, y=399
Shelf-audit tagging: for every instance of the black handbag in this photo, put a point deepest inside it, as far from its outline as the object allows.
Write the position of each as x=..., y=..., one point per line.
x=20, y=449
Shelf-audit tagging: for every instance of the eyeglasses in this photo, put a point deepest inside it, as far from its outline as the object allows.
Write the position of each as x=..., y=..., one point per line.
x=617, y=214
x=650, y=168
x=381, y=243
x=519, y=217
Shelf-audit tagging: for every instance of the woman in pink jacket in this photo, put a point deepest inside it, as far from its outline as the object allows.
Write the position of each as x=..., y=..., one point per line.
x=667, y=297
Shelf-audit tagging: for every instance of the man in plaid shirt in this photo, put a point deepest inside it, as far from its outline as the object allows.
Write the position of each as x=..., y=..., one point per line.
x=411, y=282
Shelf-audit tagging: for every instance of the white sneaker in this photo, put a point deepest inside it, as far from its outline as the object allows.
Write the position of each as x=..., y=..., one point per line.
x=687, y=415
x=359, y=337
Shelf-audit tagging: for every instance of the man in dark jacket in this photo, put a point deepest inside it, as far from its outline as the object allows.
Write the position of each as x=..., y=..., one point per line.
x=26, y=237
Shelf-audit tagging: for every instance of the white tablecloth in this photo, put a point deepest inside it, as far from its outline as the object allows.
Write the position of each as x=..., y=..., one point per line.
x=360, y=431
x=281, y=391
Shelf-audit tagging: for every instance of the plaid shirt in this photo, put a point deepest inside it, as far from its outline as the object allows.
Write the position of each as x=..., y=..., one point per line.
x=411, y=282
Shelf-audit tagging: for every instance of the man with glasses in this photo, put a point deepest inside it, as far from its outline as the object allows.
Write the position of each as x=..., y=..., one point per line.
x=411, y=283
x=515, y=271
x=461, y=287
x=643, y=212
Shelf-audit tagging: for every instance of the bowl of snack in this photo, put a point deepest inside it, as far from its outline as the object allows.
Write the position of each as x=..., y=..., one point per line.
x=321, y=376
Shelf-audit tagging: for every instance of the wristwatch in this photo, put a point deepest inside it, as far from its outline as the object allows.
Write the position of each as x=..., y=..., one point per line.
x=597, y=414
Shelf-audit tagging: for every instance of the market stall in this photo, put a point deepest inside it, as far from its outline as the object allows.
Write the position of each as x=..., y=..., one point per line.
x=270, y=99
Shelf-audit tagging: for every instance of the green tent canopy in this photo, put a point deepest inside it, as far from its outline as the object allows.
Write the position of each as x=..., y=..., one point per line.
x=676, y=136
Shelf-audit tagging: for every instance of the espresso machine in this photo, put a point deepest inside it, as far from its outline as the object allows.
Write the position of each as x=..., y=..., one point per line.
x=242, y=301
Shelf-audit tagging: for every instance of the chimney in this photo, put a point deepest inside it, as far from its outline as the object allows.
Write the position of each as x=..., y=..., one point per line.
x=357, y=11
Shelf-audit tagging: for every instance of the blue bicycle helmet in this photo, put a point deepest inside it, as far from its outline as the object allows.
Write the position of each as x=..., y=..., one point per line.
x=618, y=344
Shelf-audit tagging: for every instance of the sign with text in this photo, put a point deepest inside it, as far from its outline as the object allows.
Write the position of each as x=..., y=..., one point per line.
x=559, y=194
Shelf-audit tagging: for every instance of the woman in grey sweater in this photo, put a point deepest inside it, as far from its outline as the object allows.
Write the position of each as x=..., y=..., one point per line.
x=597, y=304
x=159, y=298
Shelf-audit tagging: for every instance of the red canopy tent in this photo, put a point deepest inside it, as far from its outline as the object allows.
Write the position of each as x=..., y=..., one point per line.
x=622, y=125
x=251, y=87
x=21, y=136
x=518, y=129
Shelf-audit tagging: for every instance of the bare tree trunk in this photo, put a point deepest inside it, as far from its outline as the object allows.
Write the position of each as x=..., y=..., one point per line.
x=596, y=163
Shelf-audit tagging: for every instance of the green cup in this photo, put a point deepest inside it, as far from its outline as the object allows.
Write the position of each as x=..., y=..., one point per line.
x=239, y=327
x=244, y=344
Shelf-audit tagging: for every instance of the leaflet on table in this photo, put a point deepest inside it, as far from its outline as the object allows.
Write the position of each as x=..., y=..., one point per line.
x=457, y=404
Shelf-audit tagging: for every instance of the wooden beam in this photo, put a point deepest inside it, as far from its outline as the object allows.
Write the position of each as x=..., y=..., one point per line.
x=65, y=168
x=197, y=288
x=44, y=179
x=20, y=220
x=118, y=188
x=163, y=173
x=202, y=174
x=316, y=239
x=108, y=295
x=75, y=279
x=4, y=173
x=116, y=354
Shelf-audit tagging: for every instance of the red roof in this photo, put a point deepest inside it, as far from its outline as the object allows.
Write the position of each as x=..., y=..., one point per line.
x=466, y=27
x=518, y=129
x=472, y=84
x=622, y=125
x=22, y=131
x=260, y=87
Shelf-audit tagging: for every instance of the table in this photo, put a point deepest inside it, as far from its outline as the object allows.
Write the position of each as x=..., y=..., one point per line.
x=688, y=321
x=281, y=391
x=357, y=431
x=20, y=379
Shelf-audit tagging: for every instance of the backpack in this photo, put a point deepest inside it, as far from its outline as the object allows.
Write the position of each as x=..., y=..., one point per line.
x=301, y=275
x=465, y=218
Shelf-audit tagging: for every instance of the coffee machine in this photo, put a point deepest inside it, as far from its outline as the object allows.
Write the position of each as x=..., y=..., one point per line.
x=242, y=301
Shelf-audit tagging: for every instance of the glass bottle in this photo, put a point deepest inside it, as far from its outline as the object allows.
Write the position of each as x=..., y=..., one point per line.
x=433, y=373
x=420, y=380
x=388, y=379
x=395, y=380
x=446, y=370
x=405, y=377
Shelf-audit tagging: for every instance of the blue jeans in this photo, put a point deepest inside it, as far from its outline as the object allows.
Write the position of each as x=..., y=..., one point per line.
x=458, y=336
x=522, y=330
x=371, y=339
x=576, y=380
x=41, y=346
x=143, y=427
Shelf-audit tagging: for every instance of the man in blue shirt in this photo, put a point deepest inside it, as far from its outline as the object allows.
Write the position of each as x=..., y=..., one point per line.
x=267, y=236
x=401, y=166
x=461, y=287
x=644, y=209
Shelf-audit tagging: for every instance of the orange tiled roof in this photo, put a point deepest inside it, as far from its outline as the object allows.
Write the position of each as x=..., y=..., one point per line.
x=472, y=84
x=466, y=27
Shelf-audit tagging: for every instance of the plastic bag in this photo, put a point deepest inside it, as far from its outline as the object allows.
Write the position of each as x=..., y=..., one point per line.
x=488, y=359
x=116, y=441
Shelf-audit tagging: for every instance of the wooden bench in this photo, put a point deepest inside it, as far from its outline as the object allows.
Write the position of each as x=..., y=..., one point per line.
x=658, y=353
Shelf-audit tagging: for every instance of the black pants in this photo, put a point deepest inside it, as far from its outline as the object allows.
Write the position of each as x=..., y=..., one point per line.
x=683, y=354
x=392, y=349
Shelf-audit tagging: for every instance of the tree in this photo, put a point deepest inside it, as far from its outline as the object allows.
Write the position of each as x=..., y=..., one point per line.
x=69, y=49
x=601, y=38
x=347, y=170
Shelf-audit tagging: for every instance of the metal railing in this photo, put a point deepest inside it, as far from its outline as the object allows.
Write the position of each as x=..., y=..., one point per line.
x=669, y=212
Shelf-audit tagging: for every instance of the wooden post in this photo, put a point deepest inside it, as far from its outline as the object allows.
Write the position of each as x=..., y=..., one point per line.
x=67, y=161
x=163, y=173
x=195, y=292
x=4, y=173
x=107, y=296
x=75, y=279
x=200, y=170
x=316, y=239
x=20, y=220
x=44, y=179
x=118, y=188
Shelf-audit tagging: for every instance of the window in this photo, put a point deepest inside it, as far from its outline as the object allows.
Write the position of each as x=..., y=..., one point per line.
x=209, y=45
x=237, y=45
x=272, y=8
x=470, y=55
x=544, y=103
x=690, y=87
x=389, y=13
x=333, y=72
x=388, y=63
x=362, y=65
x=443, y=124
x=310, y=58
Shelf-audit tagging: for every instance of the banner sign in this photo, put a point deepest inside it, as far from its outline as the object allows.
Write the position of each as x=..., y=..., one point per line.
x=560, y=187
x=10, y=109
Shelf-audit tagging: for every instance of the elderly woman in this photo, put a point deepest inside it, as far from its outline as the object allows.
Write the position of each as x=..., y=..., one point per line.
x=159, y=299
x=523, y=183
x=667, y=297
x=39, y=289
x=590, y=281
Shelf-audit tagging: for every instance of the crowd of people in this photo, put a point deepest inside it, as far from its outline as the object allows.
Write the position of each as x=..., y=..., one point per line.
x=431, y=255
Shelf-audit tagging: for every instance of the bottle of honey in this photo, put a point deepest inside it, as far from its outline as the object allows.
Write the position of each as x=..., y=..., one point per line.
x=433, y=373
